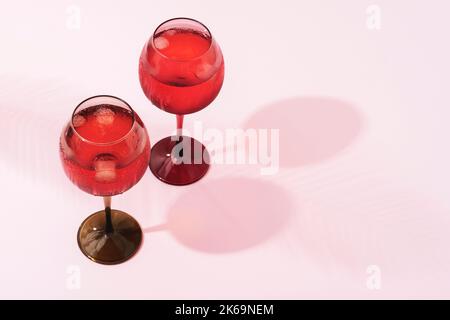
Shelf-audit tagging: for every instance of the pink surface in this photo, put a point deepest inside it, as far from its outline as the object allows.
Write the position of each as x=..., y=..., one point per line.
x=364, y=160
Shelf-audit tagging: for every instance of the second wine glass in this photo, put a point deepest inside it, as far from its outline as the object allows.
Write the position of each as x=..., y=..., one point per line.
x=181, y=71
x=105, y=150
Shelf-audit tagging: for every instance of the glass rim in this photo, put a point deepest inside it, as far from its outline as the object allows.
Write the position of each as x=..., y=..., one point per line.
x=181, y=18
x=109, y=142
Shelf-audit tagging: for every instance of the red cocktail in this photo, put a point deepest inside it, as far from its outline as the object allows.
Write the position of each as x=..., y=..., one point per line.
x=181, y=70
x=105, y=151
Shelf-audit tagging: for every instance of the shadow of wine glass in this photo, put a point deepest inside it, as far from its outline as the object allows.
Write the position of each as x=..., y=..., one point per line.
x=227, y=215
x=32, y=124
x=312, y=129
x=232, y=214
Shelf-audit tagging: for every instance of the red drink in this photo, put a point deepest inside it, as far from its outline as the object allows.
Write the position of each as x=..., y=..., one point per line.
x=181, y=70
x=105, y=149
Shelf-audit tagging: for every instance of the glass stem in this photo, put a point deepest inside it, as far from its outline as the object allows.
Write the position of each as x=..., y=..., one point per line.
x=180, y=118
x=108, y=222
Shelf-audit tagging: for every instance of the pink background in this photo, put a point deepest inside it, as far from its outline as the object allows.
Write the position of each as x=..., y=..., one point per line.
x=363, y=118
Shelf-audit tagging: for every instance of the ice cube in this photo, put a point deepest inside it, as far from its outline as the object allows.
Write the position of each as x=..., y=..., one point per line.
x=204, y=71
x=105, y=170
x=170, y=32
x=78, y=120
x=161, y=43
x=104, y=116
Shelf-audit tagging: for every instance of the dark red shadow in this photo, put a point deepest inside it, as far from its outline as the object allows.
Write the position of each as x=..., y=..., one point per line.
x=312, y=129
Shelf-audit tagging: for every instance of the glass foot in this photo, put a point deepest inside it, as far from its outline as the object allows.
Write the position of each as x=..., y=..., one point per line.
x=113, y=248
x=179, y=162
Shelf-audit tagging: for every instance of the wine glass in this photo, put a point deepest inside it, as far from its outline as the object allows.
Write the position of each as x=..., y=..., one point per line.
x=181, y=71
x=105, y=151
